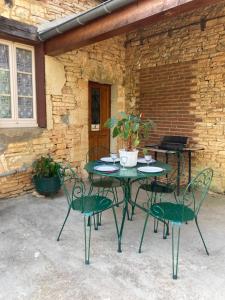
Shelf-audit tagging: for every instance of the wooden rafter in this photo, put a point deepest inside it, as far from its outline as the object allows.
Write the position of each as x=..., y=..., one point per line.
x=141, y=13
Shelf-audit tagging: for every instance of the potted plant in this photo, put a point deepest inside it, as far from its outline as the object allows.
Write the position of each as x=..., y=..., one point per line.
x=45, y=178
x=131, y=129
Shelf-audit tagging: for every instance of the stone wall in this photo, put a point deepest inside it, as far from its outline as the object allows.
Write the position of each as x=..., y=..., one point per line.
x=67, y=76
x=163, y=52
x=39, y=11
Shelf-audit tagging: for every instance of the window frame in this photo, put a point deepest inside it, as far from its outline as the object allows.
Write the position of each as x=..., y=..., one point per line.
x=15, y=121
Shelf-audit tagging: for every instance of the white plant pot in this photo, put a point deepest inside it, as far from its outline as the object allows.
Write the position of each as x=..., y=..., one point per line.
x=132, y=157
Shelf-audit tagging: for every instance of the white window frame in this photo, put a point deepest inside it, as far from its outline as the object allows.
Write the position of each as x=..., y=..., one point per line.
x=15, y=121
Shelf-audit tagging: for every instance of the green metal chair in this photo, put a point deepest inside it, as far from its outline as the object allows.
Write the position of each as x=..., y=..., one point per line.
x=88, y=205
x=156, y=189
x=186, y=209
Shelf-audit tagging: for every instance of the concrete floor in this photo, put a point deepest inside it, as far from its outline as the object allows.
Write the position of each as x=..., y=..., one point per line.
x=33, y=265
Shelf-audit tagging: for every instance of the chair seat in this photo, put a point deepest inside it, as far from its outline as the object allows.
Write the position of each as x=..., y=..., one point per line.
x=105, y=183
x=159, y=187
x=91, y=204
x=177, y=213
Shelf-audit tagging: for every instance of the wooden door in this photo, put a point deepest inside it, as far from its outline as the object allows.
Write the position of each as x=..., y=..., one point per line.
x=99, y=112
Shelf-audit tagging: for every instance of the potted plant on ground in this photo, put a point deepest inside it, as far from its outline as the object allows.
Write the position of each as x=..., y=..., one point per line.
x=45, y=178
x=131, y=129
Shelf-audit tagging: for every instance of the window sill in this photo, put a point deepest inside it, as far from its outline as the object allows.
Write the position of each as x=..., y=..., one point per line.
x=11, y=124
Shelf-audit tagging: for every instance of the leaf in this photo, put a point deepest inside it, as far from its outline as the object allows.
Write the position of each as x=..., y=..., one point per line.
x=116, y=132
x=126, y=134
x=124, y=115
x=127, y=125
x=135, y=127
x=120, y=122
x=136, y=142
x=110, y=123
x=145, y=151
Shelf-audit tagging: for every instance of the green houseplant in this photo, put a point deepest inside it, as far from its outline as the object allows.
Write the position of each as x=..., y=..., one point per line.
x=131, y=129
x=45, y=175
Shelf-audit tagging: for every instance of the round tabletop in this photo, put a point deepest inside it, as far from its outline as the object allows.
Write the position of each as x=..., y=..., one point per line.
x=128, y=173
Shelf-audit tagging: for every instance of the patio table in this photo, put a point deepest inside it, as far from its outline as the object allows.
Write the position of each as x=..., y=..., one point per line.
x=127, y=176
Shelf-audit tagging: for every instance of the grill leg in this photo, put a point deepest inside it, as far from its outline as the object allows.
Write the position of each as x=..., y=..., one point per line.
x=178, y=173
x=189, y=167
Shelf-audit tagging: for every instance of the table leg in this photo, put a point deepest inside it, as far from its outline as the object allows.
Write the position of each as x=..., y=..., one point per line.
x=127, y=194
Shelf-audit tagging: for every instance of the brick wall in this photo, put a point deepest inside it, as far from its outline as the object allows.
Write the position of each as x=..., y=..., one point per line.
x=180, y=43
x=166, y=97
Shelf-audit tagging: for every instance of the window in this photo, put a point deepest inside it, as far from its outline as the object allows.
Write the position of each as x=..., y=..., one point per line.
x=17, y=85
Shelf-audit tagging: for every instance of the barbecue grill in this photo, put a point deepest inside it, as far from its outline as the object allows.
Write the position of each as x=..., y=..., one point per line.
x=173, y=143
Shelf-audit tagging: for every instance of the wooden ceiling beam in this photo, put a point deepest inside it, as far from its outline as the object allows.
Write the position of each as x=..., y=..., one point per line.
x=133, y=16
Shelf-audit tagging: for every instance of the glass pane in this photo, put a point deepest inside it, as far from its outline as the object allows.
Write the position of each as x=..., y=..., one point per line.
x=24, y=84
x=4, y=82
x=5, y=107
x=95, y=106
x=4, y=56
x=24, y=60
x=25, y=108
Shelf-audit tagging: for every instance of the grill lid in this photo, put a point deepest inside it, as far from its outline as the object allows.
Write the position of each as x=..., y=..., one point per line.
x=176, y=143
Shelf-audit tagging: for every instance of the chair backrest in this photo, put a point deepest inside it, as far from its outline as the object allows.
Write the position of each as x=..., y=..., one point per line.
x=96, y=153
x=72, y=184
x=197, y=189
x=171, y=178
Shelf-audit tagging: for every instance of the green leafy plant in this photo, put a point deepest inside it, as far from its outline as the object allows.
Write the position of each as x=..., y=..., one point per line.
x=131, y=128
x=145, y=151
x=45, y=166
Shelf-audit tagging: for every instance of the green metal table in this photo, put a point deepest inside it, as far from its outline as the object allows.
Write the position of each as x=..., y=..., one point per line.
x=127, y=176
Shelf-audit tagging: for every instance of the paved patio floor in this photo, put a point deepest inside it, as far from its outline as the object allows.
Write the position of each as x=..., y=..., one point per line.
x=33, y=265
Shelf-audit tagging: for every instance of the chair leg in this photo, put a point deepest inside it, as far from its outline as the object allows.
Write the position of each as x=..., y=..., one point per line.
x=175, y=248
x=143, y=233
x=90, y=189
x=133, y=206
x=87, y=241
x=64, y=223
x=175, y=197
x=165, y=229
x=168, y=229
x=95, y=218
x=196, y=222
x=115, y=218
x=156, y=221
x=117, y=199
x=156, y=224
x=99, y=219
